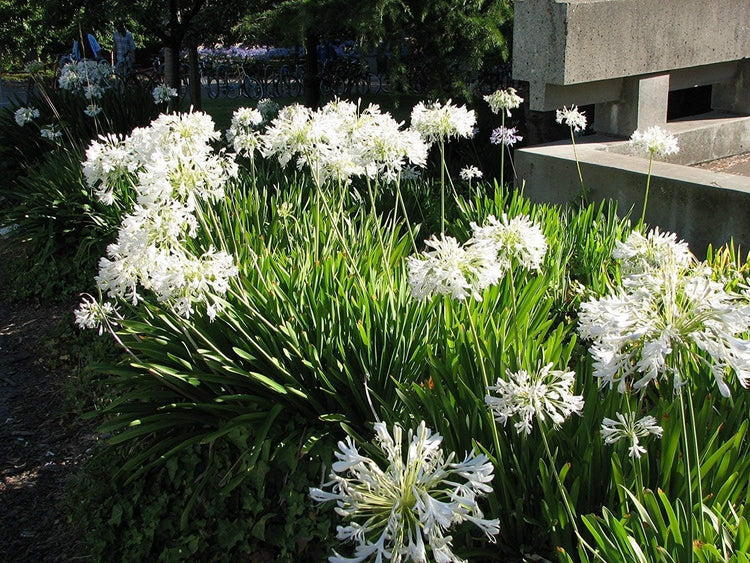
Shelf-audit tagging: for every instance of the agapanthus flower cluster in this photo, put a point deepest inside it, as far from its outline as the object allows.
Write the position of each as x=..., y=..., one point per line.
x=91, y=314
x=655, y=253
x=541, y=395
x=573, y=118
x=163, y=94
x=460, y=271
x=470, y=172
x=92, y=110
x=339, y=142
x=654, y=141
x=441, y=122
x=51, y=132
x=513, y=240
x=501, y=100
x=507, y=136
x=26, y=115
x=403, y=511
x=244, y=132
x=628, y=427
x=172, y=168
x=452, y=269
x=667, y=311
x=78, y=76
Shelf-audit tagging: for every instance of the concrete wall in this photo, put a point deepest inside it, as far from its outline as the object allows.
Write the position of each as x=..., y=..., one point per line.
x=567, y=42
x=699, y=205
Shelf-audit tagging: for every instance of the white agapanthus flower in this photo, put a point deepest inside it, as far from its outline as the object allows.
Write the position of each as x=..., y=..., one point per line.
x=435, y=121
x=92, y=314
x=654, y=141
x=470, y=172
x=453, y=270
x=573, y=118
x=93, y=91
x=628, y=427
x=51, y=132
x=163, y=94
x=26, y=115
x=85, y=76
x=544, y=394
x=403, y=511
x=243, y=131
x=339, y=142
x=643, y=255
x=92, y=110
x=641, y=331
x=505, y=136
x=501, y=100
x=171, y=167
x=513, y=240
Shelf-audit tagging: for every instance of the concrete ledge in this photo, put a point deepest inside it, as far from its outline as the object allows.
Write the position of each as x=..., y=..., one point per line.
x=701, y=206
x=702, y=138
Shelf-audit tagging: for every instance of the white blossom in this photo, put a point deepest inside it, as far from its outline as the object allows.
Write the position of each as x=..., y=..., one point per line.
x=506, y=100
x=403, y=511
x=654, y=141
x=573, y=118
x=544, y=394
x=470, y=172
x=640, y=331
x=26, y=115
x=162, y=94
x=452, y=269
x=92, y=314
x=628, y=427
x=51, y=132
x=516, y=239
x=92, y=110
x=643, y=255
x=435, y=121
x=171, y=167
x=505, y=136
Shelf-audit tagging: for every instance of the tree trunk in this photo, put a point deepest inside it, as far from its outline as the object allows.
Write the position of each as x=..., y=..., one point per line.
x=172, y=64
x=195, y=78
x=312, y=73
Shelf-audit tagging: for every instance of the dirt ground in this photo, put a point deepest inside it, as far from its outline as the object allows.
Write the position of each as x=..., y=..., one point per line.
x=41, y=445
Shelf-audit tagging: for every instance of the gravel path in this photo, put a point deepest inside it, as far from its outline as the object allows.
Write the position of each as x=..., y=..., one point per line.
x=41, y=445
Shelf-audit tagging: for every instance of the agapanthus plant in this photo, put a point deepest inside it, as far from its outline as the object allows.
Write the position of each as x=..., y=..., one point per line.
x=653, y=142
x=629, y=427
x=26, y=115
x=541, y=395
x=576, y=122
x=504, y=100
x=403, y=511
x=664, y=313
x=163, y=94
x=171, y=168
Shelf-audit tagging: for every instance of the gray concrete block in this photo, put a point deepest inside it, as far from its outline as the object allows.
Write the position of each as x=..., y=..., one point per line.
x=700, y=205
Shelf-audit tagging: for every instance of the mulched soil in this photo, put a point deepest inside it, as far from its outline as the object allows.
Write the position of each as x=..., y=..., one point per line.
x=41, y=445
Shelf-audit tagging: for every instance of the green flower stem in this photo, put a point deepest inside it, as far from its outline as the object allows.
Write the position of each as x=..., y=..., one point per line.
x=691, y=412
x=400, y=198
x=514, y=308
x=485, y=377
x=441, y=144
x=688, y=474
x=563, y=491
x=386, y=267
x=648, y=185
x=584, y=192
x=502, y=152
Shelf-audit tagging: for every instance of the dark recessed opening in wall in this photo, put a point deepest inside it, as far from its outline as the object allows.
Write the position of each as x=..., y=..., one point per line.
x=687, y=102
